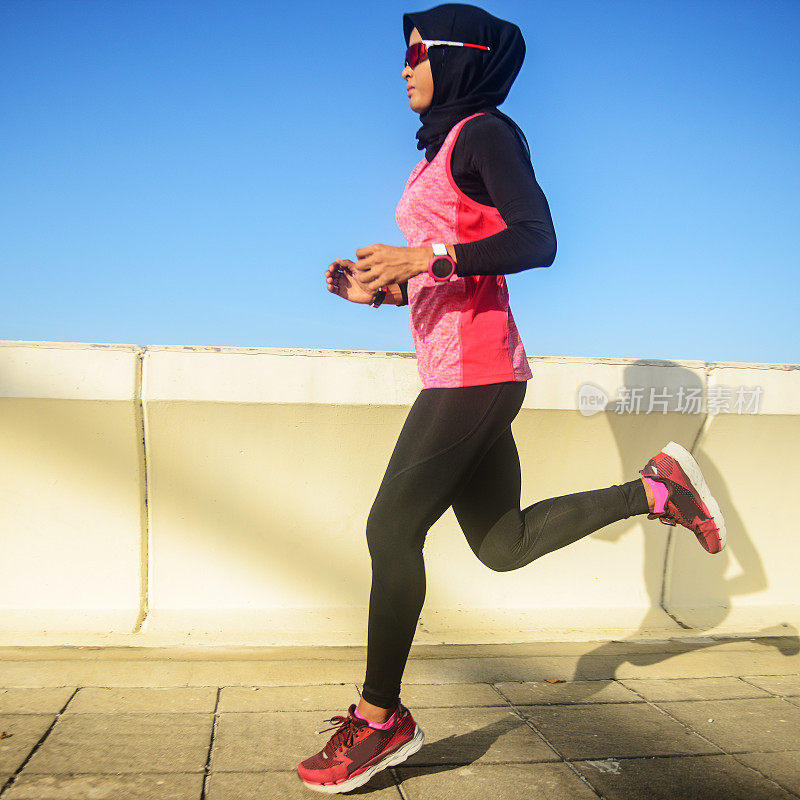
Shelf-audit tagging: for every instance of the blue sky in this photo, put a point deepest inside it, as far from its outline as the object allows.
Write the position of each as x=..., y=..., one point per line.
x=183, y=173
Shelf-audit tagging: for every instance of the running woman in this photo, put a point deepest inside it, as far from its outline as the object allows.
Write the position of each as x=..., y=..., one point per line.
x=472, y=212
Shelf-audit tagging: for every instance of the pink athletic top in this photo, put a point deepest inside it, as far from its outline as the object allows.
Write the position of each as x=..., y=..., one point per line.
x=463, y=329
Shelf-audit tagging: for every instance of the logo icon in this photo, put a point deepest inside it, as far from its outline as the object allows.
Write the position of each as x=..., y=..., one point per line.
x=591, y=399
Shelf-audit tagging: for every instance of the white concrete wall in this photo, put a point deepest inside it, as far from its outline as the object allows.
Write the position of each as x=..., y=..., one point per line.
x=184, y=494
x=72, y=522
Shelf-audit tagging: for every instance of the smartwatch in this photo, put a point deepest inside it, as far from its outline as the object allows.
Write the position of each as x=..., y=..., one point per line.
x=441, y=267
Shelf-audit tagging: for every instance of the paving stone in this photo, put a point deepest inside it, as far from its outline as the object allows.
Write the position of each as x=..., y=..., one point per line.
x=24, y=731
x=493, y=670
x=765, y=724
x=707, y=663
x=101, y=700
x=485, y=735
x=310, y=698
x=695, y=777
x=788, y=685
x=280, y=740
x=125, y=743
x=176, y=673
x=694, y=689
x=613, y=730
x=506, y=781
x=541, y=692
x=783, y=768
x=34, y=701
x=450, y=695
x=284, y=666
x=144, y=786
x=288, y=698
x=286, y=786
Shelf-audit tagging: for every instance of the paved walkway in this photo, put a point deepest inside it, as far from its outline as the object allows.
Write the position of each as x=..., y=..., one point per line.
x=695, y=718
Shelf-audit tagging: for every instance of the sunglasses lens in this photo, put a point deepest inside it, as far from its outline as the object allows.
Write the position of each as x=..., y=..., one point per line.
x=416, y=54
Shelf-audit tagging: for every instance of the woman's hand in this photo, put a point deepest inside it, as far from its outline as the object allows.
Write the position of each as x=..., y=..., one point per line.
x=342, y=280
x=381, y=264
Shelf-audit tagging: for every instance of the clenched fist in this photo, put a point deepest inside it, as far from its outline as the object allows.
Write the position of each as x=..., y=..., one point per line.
x=342, y=281
x=381, y=264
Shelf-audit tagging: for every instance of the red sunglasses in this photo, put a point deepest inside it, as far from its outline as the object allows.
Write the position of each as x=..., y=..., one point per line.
x=418, y=52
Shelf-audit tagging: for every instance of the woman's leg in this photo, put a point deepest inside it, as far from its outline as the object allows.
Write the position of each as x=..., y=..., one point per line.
x=506, y=538
x=446, y=433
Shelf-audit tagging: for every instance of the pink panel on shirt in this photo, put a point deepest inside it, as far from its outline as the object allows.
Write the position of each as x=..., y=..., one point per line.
x=463, y=329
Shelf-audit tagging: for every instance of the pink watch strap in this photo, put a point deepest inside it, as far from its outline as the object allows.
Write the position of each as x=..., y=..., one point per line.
x=441, y=257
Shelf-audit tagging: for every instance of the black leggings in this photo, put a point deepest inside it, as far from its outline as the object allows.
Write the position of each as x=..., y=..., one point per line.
x=456, y=448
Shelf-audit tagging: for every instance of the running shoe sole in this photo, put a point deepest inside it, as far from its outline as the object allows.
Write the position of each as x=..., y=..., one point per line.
x=695, y=475
x=390, y=760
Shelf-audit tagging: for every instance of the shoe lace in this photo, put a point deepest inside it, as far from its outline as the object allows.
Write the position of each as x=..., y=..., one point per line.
x=345, y=732
x=664, y=518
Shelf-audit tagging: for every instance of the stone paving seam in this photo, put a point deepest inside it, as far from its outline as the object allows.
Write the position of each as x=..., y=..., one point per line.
x=207, y=768
x=744, y=678
x=719, y=747
x=792, y=701
x=581, y=702
x=397, y=783
x=10, y=781
x=561, y=760
x=81, y=773
x=665, y=756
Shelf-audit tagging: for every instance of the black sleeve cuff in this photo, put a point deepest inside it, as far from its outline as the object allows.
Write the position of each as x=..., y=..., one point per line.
x=517, y=248
x=459, y=252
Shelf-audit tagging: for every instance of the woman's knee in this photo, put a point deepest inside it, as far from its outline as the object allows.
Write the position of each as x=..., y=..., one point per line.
x=388, y=532
x=498, y=543
x=376, y=526
x=497, y=561
x=499, y=554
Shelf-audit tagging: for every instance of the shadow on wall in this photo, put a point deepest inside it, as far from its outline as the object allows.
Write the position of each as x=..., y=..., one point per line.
x=655, y=430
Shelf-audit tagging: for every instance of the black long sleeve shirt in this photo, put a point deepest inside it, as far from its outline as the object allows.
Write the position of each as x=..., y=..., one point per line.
x=491, y=165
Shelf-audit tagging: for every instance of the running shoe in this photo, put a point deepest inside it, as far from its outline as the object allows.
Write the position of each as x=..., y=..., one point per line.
x=357, y=751
x=689, y=500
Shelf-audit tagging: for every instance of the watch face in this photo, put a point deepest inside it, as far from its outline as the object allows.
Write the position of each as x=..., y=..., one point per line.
x=442, y=267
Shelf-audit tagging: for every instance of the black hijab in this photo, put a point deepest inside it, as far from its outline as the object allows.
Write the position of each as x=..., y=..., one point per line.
x=465, y=80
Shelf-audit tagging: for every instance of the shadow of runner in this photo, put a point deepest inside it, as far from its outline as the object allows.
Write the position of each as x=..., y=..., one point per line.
x=460, y=749
x=640, y=431
x=682, y=423
x=784, y=639
x=454, y=751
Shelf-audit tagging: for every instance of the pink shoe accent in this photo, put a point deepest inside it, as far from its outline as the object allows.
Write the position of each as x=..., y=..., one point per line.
x=660, y=494
x=379, y=726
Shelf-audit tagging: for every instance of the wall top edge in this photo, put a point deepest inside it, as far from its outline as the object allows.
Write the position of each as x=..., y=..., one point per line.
x=278, y=351
x=325, y=353
x=615, y=360
x=128, y=348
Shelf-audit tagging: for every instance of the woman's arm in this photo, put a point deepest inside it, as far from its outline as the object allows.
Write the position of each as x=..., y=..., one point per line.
x=397, y=294
x=490, y=165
